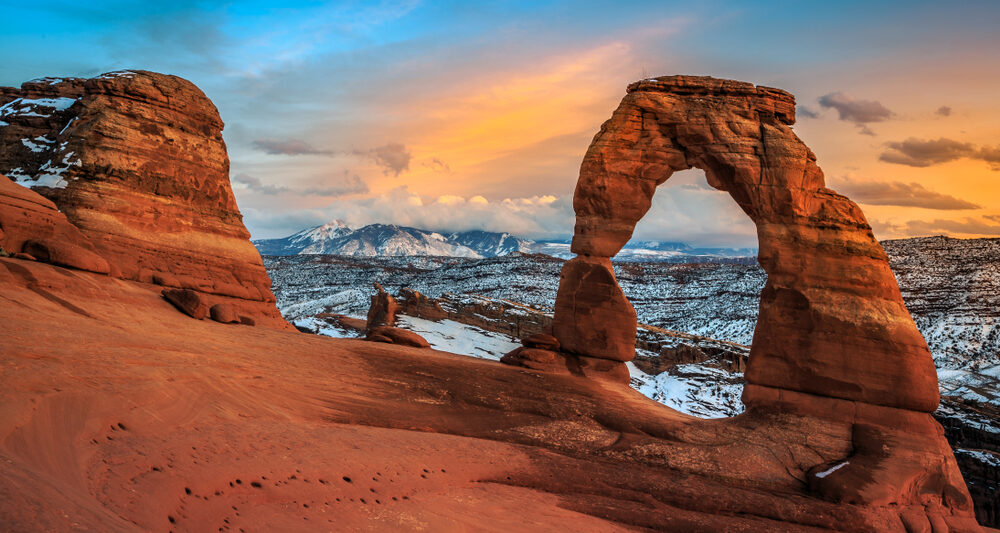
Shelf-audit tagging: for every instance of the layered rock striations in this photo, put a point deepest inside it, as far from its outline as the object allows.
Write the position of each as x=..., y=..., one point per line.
x=833, y=338
x=137, y=162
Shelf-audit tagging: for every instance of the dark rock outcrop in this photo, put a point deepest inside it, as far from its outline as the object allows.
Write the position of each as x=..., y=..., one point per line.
x=382, y=311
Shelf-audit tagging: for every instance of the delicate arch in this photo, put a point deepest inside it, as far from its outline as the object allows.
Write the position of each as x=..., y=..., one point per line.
x=831, y=322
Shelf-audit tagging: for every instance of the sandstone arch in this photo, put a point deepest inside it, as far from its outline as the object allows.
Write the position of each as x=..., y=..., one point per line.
x=832, y=322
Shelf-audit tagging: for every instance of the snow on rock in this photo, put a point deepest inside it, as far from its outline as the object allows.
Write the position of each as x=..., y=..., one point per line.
x=33, y=146
x=832, y=469
x=990, y=459
x=456, y=337
x=692, y=389
x=33, y=107
x=342, y=302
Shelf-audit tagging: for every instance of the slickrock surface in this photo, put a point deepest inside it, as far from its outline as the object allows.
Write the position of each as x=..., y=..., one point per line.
x=117, y=413
x=137, y=162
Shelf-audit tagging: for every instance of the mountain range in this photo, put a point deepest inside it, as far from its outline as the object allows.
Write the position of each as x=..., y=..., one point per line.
x=390, y=240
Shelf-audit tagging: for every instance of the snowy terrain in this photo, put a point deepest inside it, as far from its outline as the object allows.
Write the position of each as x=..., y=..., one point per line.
x=952, y=288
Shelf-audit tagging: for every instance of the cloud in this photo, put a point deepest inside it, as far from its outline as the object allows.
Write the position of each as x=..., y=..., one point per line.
x=288, y=147
x=943, y=111
x=680, y=212
x=859, y=112
x=342, y=185
x=991, y=156
x=392, y=157
x=967, y=226
x=533, y=216
x=803, y=111
x=437, y=165
x=349, y=183
x=897, y=193
x=924, y=153
x=254, y=184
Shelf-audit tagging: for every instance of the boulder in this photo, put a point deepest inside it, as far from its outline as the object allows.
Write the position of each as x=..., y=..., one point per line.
x=224, y=313
x=542, y=341
x=187, y=301
x=592, y=315
x=395, y=335
x=64, y=253
x=32, y=227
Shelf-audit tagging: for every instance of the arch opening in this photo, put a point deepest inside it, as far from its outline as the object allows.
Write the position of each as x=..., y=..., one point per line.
x=692, y=339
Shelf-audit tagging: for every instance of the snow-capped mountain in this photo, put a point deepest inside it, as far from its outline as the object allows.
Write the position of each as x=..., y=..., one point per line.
x=307, y=241
x=492, y=244
x=385, y=240
x=381, y=240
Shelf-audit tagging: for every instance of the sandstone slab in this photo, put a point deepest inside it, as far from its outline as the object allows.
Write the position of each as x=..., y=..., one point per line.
x=394, y=335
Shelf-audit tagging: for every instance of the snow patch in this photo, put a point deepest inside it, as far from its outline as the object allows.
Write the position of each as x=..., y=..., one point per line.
x=456, y=337
x=66, y=127
x=117, y=74
x=29, y=107
x=981, y=456
x=831, y=470
x=692, y=389
x=34, y=147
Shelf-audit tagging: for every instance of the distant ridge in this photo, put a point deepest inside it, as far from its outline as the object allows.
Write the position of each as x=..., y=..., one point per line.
x=390, y=240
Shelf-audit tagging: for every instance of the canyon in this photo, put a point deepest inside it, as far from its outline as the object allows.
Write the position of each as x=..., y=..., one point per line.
x=120, y=410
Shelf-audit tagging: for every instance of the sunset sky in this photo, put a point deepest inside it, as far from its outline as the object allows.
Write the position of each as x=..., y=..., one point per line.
x=453, y=116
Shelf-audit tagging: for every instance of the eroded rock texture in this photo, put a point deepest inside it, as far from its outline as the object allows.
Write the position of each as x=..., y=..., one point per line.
x=137, y=162
x=30, y=225
x=833, y=338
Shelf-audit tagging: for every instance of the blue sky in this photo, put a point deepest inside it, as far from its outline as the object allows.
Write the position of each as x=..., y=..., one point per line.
x=455, y=115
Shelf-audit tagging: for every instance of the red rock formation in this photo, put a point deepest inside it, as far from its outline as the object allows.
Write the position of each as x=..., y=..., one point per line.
x=382, y=311
x=833, y=338
x=137, y=162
